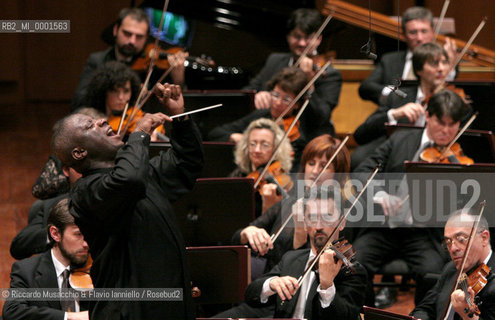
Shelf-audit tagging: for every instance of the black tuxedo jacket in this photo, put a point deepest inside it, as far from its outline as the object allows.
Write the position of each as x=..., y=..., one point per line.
x=389, y=68
x=348, y=299
x=34, y=272
x=437, y=299
x=374, y=126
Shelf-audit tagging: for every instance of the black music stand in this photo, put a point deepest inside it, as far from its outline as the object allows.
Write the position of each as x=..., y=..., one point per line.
x=476, y=144
x=221, y=273
x=219, y=157
x=438, y=189
x=378, y=314
x=235, y=105
x=214, y=210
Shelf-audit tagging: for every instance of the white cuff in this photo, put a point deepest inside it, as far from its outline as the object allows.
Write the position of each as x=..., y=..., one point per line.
x=384, y=94
x=266, y=292
x=326, y=296
x=391, y=119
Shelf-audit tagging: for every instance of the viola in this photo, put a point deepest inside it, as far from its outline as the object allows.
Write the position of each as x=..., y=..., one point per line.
x=142, y=63
x=439, y=155
x=283, y=181
x=114, y=121
x=476, y=280
x=80, y=279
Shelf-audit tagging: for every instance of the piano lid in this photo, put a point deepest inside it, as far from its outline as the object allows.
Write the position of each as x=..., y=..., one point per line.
x=248, y=15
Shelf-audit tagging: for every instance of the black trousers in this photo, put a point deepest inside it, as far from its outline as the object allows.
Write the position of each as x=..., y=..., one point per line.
x=416, y=246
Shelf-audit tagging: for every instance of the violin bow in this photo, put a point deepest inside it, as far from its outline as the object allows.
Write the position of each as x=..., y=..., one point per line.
x=123, y=117
x=339, y=224
x=459, y=134
x=150, y=68
x=286, y=134
x=440, y=19
x=313, y=39
x=464, y=259
x=275, y=235
x=303, y=91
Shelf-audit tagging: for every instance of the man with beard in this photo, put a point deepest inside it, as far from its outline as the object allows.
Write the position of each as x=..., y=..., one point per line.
x=123, y=205
x=50, y=270
x=130, y=34
x=328, y=293
x=456, y=237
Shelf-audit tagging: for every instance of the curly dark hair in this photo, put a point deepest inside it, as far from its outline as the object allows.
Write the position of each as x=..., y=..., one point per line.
x=111, y=75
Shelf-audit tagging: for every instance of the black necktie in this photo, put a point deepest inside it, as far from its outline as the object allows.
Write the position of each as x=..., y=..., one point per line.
x=68, y=305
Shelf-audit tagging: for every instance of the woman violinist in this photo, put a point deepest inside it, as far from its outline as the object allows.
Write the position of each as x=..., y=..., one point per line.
x=284, y=87
x=112, y=87
x=254, y=150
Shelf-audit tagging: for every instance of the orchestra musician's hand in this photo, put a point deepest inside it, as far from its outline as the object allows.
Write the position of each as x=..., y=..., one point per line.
x=269, y=195
x=150, y=121
x=328, y=268
x=170, y=96
x=459, y=304
x=285, y=287
x=411, y=111
x=262, y=100
x=307, y=65
x=390, y=204
x=177, y=60
x=83, y=315
x=258, y=239
x=451, y=48
x=300, y=233
x=235, y=137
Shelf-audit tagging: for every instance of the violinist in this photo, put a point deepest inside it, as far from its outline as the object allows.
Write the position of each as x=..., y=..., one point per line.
x=401, y=239
x=417, y=26
x=284, y=86
x=430, y=63
x=328, y=293
x=456, y=236
x=112, y=87
x=50, y=269
x=254, y=150
x=130, y=34
x=301, y=26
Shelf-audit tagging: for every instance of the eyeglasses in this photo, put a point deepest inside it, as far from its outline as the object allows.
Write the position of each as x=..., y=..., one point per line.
x=285, y=100
x=461, y=240
x=264, y=146
x=323, y=219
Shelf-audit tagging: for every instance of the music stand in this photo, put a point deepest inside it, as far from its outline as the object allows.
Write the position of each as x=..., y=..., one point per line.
x=222, y=273
x=438, y=189
x=218, y=157
x=214, y=210
x=235, y=105
x=378, y=314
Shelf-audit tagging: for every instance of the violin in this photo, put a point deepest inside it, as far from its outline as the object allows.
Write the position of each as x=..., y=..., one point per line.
x=294, y=132
x=142, y=63
x=80, y=279
x=275, y=174
x=114, y=121
x=343, y=251
x=476, y=280
x=438, y=155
